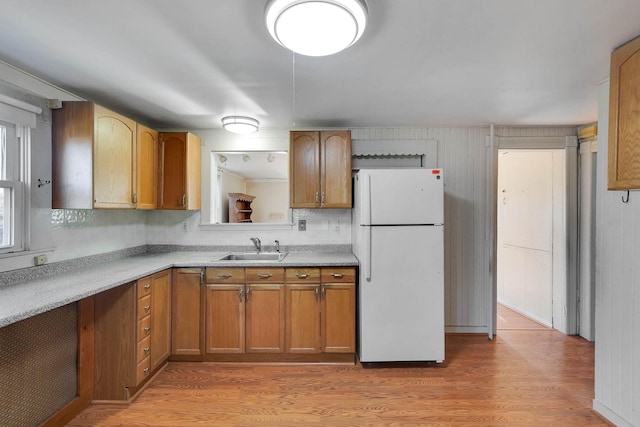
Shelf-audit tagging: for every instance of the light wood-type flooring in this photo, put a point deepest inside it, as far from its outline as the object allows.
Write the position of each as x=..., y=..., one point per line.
x=526, y=377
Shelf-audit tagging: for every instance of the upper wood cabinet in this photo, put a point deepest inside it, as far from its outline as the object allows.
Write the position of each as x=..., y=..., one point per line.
x=320, y=169
x=94, y=158
x=624, y=122
x=179, y=171
x=147, y=171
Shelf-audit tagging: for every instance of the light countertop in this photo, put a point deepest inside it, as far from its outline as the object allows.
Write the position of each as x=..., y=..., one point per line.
x=28, y=298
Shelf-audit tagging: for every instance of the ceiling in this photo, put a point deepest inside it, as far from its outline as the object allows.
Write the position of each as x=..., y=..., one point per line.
x=187, y=64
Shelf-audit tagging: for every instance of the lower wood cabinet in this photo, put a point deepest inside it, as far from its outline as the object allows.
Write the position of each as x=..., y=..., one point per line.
x=244, y=310
x=284, y=311
x=320, y=304
x=131, y=330
x=186, y=312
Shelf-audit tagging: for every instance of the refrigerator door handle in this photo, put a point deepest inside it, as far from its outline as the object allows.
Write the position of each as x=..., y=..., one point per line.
x=367, y=254
x=366, y=200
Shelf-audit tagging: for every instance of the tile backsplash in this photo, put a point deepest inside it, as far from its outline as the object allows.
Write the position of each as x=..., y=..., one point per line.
x=77, y=233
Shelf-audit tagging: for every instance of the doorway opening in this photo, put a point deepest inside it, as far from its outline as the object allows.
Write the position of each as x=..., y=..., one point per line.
x=537, y=245
x=531, y=232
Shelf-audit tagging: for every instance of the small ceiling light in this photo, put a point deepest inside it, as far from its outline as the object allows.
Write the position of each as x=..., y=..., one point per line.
x=316, y=28
x=240, y=124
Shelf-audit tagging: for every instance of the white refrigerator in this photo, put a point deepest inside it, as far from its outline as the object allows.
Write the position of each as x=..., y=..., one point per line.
x=398, y=238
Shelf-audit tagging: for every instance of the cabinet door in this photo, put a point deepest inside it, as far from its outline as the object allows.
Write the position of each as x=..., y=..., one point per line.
x=265, y=318
x=115, y=342
x=173, y=155
x=336, y=169
x=338, y=317
x=224, y=328
x=304, y=169
x=303, y=318
x=160, y=318
x=114, y=151
x=186, y=330
x=147, y=168
x=624, y=126
x=180, y=168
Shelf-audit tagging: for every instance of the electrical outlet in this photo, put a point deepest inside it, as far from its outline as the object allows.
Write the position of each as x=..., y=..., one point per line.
x=40, y=259
x=185, y=226
x=302, y=225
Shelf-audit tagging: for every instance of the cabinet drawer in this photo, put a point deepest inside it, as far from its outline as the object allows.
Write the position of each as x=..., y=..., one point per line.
x=265, y=275
x=303, y=275
x=225, y=275
x=338, y=275
x=144, y=327
x=144, y=306
x=144, y=287
x=143, y=370
x=144, y=348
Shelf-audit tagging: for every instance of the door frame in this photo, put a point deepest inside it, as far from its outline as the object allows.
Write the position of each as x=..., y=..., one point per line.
x=569, y=323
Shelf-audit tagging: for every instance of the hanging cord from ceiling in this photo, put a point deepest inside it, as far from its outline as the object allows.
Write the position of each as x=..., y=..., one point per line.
x=293, y=89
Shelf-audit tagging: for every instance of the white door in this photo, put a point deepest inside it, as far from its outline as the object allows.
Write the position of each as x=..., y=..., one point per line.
x=531, y=188
x=402, y=305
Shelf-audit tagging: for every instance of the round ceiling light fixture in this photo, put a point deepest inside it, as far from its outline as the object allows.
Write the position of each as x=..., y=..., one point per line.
x=240, y=124
x=316, y=28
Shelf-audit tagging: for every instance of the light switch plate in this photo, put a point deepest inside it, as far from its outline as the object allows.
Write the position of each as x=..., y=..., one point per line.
x=302, y=225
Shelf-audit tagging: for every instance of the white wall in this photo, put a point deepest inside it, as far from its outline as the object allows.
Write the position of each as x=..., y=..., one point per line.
x=272, y=201
x=617, y=370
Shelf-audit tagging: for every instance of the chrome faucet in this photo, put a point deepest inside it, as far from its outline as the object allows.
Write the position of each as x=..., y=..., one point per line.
x=277, y=245
x=257, y=244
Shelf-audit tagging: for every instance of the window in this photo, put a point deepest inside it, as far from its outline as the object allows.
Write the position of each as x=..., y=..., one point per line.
x=11, y=190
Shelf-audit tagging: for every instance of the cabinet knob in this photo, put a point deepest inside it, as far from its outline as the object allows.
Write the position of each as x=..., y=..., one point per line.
x=264, y=276
x=337, y=275
x=302, y=276
x=225, y=276
x=147, y=307
x=147, y=330
x=146, y=370
x=147, y=286
x=146, y=349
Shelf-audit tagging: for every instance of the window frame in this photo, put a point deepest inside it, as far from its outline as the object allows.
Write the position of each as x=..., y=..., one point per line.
x=15, y=176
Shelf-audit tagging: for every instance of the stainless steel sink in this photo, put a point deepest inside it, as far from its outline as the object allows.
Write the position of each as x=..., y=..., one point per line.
x=253, y=256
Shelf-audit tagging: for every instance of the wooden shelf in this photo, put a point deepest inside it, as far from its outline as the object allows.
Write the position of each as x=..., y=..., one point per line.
x=240, y=207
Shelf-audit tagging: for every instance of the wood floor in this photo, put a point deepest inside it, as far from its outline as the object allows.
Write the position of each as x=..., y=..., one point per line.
x=522, y=378
x=510, y=319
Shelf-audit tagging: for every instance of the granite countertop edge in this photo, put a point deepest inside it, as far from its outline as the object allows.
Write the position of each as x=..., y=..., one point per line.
x=24, y=299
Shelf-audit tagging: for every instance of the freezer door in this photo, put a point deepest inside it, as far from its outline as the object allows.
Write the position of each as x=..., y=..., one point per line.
x=400, y=196
x=401, y=307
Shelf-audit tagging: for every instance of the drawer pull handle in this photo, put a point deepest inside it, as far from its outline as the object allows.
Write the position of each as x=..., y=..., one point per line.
x=147, y=307
x=264, y=276
x=146, y=370
x=146, y=349
x=147, y=330
x=225, y=276
x=338, y=275
x=302, y=276
x=147, y=286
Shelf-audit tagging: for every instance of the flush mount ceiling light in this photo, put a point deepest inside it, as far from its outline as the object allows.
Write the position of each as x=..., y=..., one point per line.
x=316, y=28
x=240, y=124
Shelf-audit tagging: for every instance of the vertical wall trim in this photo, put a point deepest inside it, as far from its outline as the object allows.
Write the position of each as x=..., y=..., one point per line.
x=491, y=231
